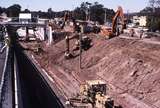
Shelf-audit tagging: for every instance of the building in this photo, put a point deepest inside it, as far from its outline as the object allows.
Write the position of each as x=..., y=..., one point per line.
x=25, y=17
x=140, y=20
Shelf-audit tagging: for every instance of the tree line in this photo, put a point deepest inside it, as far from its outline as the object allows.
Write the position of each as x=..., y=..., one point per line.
x=86, y=11
x=91, y=11
x=153, y=15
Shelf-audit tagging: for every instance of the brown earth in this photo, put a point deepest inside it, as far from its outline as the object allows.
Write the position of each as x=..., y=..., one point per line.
x=129, y=66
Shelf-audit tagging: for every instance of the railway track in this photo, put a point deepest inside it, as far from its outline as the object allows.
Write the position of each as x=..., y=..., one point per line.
x=38, y=93
x=22, y=85
x=2, y=60
x=6, y=94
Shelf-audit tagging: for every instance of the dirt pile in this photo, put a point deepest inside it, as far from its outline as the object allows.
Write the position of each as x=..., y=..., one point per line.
x=131, y=68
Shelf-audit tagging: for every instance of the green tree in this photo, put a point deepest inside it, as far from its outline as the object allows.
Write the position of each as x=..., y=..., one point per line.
x=153, y=15
x=79, y=13
x=154, y=3
x=50, y=13
x=95, y=11
x=14, y=10
x=27, y=11
x=98, y=13
x=2, y=10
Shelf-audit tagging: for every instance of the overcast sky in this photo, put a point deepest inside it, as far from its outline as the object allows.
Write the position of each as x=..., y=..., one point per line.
x=58, y=5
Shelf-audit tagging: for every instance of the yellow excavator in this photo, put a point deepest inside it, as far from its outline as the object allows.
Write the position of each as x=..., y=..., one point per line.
x=118, y=24
x=92, y=95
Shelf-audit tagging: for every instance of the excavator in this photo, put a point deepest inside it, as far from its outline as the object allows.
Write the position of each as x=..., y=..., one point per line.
x=118, y=24
x=85, y=41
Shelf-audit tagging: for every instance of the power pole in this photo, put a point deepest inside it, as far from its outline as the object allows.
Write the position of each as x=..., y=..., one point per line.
x=105, y=15
x=128, y=16
x=80, y=48
x=152, y=4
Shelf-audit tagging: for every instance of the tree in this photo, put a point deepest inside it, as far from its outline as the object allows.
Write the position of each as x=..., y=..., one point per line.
x=79, y=13
x=98, y=13
x=50, y=13
x=27, y=11
x=153, y=15
x=85, y=7
x=14, y=10
x=154, y=4
x=95, y=11
x=2, y=10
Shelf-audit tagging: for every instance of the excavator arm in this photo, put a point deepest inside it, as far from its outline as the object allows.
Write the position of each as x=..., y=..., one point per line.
x=119, y=14
x=66, y=16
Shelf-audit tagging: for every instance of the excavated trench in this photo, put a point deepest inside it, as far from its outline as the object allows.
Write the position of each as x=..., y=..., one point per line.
x=36, y=91
x=24, y=85
x=130, y=66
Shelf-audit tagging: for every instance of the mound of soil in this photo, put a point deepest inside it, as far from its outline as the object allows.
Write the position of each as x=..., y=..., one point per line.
x=130, y=67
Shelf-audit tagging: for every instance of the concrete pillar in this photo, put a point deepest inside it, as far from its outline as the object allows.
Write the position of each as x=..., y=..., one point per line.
x=50, y=39
x=67, y=44
x=27, y=34
x=41, y=34
x=45, y=33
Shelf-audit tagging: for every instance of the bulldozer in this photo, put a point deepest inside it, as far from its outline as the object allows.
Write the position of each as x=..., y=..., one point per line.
x=92, y=95
x=118, y=24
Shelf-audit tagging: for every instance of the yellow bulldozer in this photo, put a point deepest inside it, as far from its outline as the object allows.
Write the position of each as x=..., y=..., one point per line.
x=92, y=95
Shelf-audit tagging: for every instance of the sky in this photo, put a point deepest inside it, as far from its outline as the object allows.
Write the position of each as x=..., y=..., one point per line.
x=59, y=5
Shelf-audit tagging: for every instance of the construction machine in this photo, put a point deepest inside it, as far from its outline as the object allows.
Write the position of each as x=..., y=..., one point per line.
x=66, y=15
x=118, y=24
x=92, y=95
x=85, y=42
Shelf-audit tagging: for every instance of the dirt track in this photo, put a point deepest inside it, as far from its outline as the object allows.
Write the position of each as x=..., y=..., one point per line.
x=131, y=67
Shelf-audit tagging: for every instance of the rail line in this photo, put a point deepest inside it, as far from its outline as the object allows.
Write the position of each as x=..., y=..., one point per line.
x=22, y=85
x=38, y=92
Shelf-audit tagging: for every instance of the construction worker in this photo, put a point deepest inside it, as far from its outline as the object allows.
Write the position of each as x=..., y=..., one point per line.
x=67, y=52
x=132, y=32
x=141, y=33
x=67, y=46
